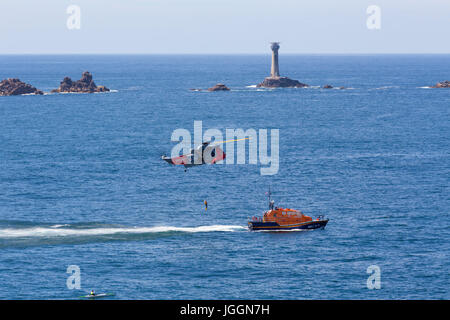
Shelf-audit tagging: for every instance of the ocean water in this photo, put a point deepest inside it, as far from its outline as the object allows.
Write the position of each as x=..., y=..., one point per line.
x=82, y=182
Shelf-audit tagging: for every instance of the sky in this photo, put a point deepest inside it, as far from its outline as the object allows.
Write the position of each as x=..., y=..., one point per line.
x=223, y=26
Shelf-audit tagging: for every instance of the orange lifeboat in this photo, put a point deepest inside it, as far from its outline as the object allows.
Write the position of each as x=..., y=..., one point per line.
x=285, y=219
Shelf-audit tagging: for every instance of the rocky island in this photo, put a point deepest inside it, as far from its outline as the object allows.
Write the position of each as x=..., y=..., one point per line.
x=219, y=87
x=443, y=84
x=281, y=82
x=275, y=81
x=15, y=87
x=84, y=85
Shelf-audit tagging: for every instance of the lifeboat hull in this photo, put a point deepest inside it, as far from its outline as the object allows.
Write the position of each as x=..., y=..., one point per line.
x=274, y=226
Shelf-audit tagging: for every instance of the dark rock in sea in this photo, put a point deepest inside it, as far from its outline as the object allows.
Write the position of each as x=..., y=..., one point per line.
x=281, y=82
x=329, y=86
x=219, y=87
x=84, y=85
x=443, y=84
x=15, y=87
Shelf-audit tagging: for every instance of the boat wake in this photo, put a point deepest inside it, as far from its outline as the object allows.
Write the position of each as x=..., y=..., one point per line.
x=73, y=234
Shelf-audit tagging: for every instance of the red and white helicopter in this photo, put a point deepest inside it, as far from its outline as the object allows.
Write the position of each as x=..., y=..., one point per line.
x=206, y=153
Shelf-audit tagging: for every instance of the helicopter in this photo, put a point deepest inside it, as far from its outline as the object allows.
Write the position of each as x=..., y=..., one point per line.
x=206, y=153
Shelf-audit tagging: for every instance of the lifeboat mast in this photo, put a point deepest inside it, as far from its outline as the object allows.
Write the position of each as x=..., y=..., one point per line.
x=271, y=202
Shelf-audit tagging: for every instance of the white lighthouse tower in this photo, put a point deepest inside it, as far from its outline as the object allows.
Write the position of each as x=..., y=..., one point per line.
x=275, y=70
x=275, y=80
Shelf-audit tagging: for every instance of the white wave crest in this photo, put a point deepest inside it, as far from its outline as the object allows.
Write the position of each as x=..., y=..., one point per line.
x=59, y=225
x=385, y=88
x=59, y=231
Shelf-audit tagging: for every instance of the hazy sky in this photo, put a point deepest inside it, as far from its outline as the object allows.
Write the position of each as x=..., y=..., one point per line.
x=224, y=26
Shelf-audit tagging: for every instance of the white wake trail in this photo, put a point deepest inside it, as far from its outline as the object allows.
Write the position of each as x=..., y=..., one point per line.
x=68, y=232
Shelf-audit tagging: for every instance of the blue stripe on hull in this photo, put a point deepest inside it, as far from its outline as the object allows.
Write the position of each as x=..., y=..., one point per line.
x=276, y=227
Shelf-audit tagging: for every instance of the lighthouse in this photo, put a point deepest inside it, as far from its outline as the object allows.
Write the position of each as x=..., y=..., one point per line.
x=275, y=80
x=275, y=71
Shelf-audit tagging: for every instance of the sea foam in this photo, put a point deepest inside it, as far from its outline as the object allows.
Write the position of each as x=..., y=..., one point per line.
x=61, y=231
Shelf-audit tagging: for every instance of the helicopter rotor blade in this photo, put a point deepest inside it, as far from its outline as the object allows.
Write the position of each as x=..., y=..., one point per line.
x=248, y=138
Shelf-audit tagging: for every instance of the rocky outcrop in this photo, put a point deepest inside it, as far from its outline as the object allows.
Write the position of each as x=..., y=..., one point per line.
x=281, y=82
x=15, y=87
x=443, y=84
x=84, y=85
x=329, y=86
x=219, y=87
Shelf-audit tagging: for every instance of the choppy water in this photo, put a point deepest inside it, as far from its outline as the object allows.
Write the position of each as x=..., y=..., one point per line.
x=82, y=183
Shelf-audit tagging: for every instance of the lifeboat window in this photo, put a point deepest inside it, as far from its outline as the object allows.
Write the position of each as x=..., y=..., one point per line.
x=283, y=213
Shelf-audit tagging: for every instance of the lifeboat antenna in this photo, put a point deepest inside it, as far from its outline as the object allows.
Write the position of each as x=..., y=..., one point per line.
x=271, y=203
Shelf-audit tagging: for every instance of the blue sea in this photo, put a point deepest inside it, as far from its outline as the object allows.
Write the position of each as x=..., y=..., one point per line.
x=82, y=182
